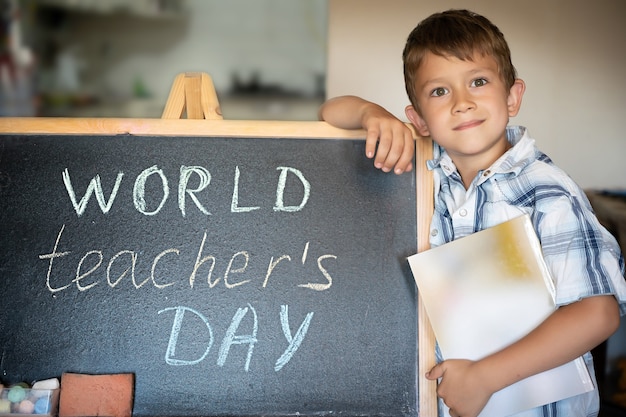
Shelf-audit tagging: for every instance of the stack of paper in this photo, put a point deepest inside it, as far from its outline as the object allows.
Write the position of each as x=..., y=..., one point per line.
x=486, y=291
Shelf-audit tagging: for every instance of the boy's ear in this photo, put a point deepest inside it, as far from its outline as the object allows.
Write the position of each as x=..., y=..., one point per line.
x=417, y=120
x=514, y=101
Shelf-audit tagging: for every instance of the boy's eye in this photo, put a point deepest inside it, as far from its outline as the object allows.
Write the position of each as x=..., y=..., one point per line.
x=438, y=92
x=479, y=82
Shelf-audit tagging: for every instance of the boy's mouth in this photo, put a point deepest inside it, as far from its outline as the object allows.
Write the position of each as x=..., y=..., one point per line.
x=468, y=125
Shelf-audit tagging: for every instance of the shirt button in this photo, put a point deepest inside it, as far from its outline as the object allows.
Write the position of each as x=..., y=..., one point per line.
x=463, y=212
x=446, y=168
x=486, y=173
x=434, y=232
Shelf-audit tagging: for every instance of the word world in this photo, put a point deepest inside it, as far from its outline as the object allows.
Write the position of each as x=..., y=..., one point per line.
x=186, y=172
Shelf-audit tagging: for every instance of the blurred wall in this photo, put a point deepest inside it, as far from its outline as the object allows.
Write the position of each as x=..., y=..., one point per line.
x=571, y=53
x=279, y=43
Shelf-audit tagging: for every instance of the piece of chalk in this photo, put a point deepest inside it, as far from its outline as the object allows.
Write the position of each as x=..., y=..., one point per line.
x=26, y=407
x=42, y=406
x=5, y=406
x=52, y=383
x=16, y=394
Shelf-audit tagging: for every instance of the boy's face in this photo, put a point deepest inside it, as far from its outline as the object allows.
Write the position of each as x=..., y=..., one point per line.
x=465, y=107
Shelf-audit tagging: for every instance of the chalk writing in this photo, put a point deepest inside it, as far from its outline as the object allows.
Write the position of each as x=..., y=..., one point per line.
x=90, y=267
x=170, y=352
x=95, y=186
x=128, y=260
x=294, y=342
x=205, y=180
x=232, y=338
x=246, y=339
x=280, y=190
x=139, y=191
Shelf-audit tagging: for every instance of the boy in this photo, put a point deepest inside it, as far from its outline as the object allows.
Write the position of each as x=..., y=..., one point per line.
x=463, y=88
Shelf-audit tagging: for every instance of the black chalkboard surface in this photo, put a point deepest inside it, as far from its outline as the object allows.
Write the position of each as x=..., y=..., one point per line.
x=232, y=276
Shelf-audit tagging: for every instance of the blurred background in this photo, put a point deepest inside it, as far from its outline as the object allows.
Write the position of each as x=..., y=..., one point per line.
x=119, y=58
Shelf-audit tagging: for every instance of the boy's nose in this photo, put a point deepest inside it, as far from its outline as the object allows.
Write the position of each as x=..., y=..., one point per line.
x=462, y=103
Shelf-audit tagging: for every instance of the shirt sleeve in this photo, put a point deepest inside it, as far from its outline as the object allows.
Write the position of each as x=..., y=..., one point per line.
x=583, y=257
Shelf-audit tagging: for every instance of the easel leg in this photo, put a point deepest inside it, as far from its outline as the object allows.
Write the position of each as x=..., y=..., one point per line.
x=195, y=93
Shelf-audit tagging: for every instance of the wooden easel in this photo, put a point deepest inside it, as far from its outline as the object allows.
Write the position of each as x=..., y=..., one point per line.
x=195, y=93
x=424, y=183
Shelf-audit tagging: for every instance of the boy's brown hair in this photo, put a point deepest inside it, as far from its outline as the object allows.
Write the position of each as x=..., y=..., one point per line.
x=457, y=33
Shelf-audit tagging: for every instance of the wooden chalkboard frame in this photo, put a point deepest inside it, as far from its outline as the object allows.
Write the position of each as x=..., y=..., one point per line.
x=427, y=399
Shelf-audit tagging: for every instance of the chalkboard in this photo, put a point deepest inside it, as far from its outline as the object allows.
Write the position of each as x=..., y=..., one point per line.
x=231, y=275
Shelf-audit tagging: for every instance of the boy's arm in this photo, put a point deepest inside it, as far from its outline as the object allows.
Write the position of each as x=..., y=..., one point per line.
x=396, y=146
x=568, y=333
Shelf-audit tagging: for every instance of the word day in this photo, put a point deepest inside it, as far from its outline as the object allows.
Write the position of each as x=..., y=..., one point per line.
x=90, y=270
x=233, y=335
x=141, y=203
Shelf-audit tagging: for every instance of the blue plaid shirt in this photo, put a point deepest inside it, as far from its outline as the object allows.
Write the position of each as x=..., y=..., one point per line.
x=583, y=257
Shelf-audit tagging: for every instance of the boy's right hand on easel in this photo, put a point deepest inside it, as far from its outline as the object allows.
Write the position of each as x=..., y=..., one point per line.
x=389, y=141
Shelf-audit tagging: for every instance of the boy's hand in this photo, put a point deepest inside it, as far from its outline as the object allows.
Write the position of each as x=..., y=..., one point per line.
x=462, y=387
x=396, y=146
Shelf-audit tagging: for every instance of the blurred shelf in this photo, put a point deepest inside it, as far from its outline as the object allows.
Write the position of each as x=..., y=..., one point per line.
x=270, y=108
x=139, y=8
x=233, y=108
